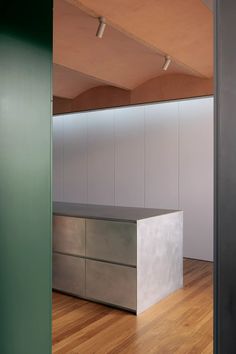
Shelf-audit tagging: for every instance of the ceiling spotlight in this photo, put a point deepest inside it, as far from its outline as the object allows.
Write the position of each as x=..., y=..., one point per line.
x=101, y=27
x=167, y=62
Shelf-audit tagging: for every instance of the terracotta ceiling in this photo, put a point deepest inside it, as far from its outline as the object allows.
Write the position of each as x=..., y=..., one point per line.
x=70, y=83
x=138, y=35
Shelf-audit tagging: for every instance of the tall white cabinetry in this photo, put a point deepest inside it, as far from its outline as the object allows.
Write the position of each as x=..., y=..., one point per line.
x=157, y=155
x=161, y=155
x=196, y=176
x=75, y=158
x=58, y=159
x=129, y=156
x=100, y=163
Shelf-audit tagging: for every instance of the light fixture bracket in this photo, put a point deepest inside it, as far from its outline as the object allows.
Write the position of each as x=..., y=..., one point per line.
x=167, y=62
x=101, y=26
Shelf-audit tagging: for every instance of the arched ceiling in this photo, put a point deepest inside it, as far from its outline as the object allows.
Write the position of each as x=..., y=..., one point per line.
x=71, y=83
x=138, y=35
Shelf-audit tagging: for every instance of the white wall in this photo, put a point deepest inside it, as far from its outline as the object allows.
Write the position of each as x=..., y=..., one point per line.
x=158, y=155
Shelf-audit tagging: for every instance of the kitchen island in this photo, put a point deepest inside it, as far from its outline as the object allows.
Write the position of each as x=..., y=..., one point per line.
x=121, y=256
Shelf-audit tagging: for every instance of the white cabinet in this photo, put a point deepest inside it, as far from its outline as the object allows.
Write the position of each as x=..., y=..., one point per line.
x=101, y=157
x=129, y=156
x=196, y=176
x=161, y=155
x=75, y=158
x=57, y=164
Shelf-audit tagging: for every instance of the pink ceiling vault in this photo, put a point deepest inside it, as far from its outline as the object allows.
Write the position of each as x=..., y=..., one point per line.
x=71, y=83
x=134, y=43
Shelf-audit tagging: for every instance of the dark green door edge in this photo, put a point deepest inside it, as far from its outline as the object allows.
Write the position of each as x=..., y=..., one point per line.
x=25, y=176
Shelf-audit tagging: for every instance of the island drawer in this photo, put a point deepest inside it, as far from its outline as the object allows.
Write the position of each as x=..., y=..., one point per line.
x=69, y=235
x=111, y=241
x=111, y=283
x=69, y=274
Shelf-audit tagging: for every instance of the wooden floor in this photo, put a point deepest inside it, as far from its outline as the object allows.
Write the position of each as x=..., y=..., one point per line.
x=180, y=324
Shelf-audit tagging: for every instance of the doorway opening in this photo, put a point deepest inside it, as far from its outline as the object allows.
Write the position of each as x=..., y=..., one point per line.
x=133, y=128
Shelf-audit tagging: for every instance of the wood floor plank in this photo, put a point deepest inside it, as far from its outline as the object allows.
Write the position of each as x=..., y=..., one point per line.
x=180, y=324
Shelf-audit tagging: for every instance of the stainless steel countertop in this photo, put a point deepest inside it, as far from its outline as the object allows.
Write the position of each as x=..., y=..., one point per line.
x=106, y=212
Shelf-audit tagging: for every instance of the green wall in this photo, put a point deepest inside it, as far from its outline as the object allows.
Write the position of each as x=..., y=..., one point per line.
x=25, y=177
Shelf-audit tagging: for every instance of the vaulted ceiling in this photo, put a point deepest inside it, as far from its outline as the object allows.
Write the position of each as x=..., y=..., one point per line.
x=138, y=35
